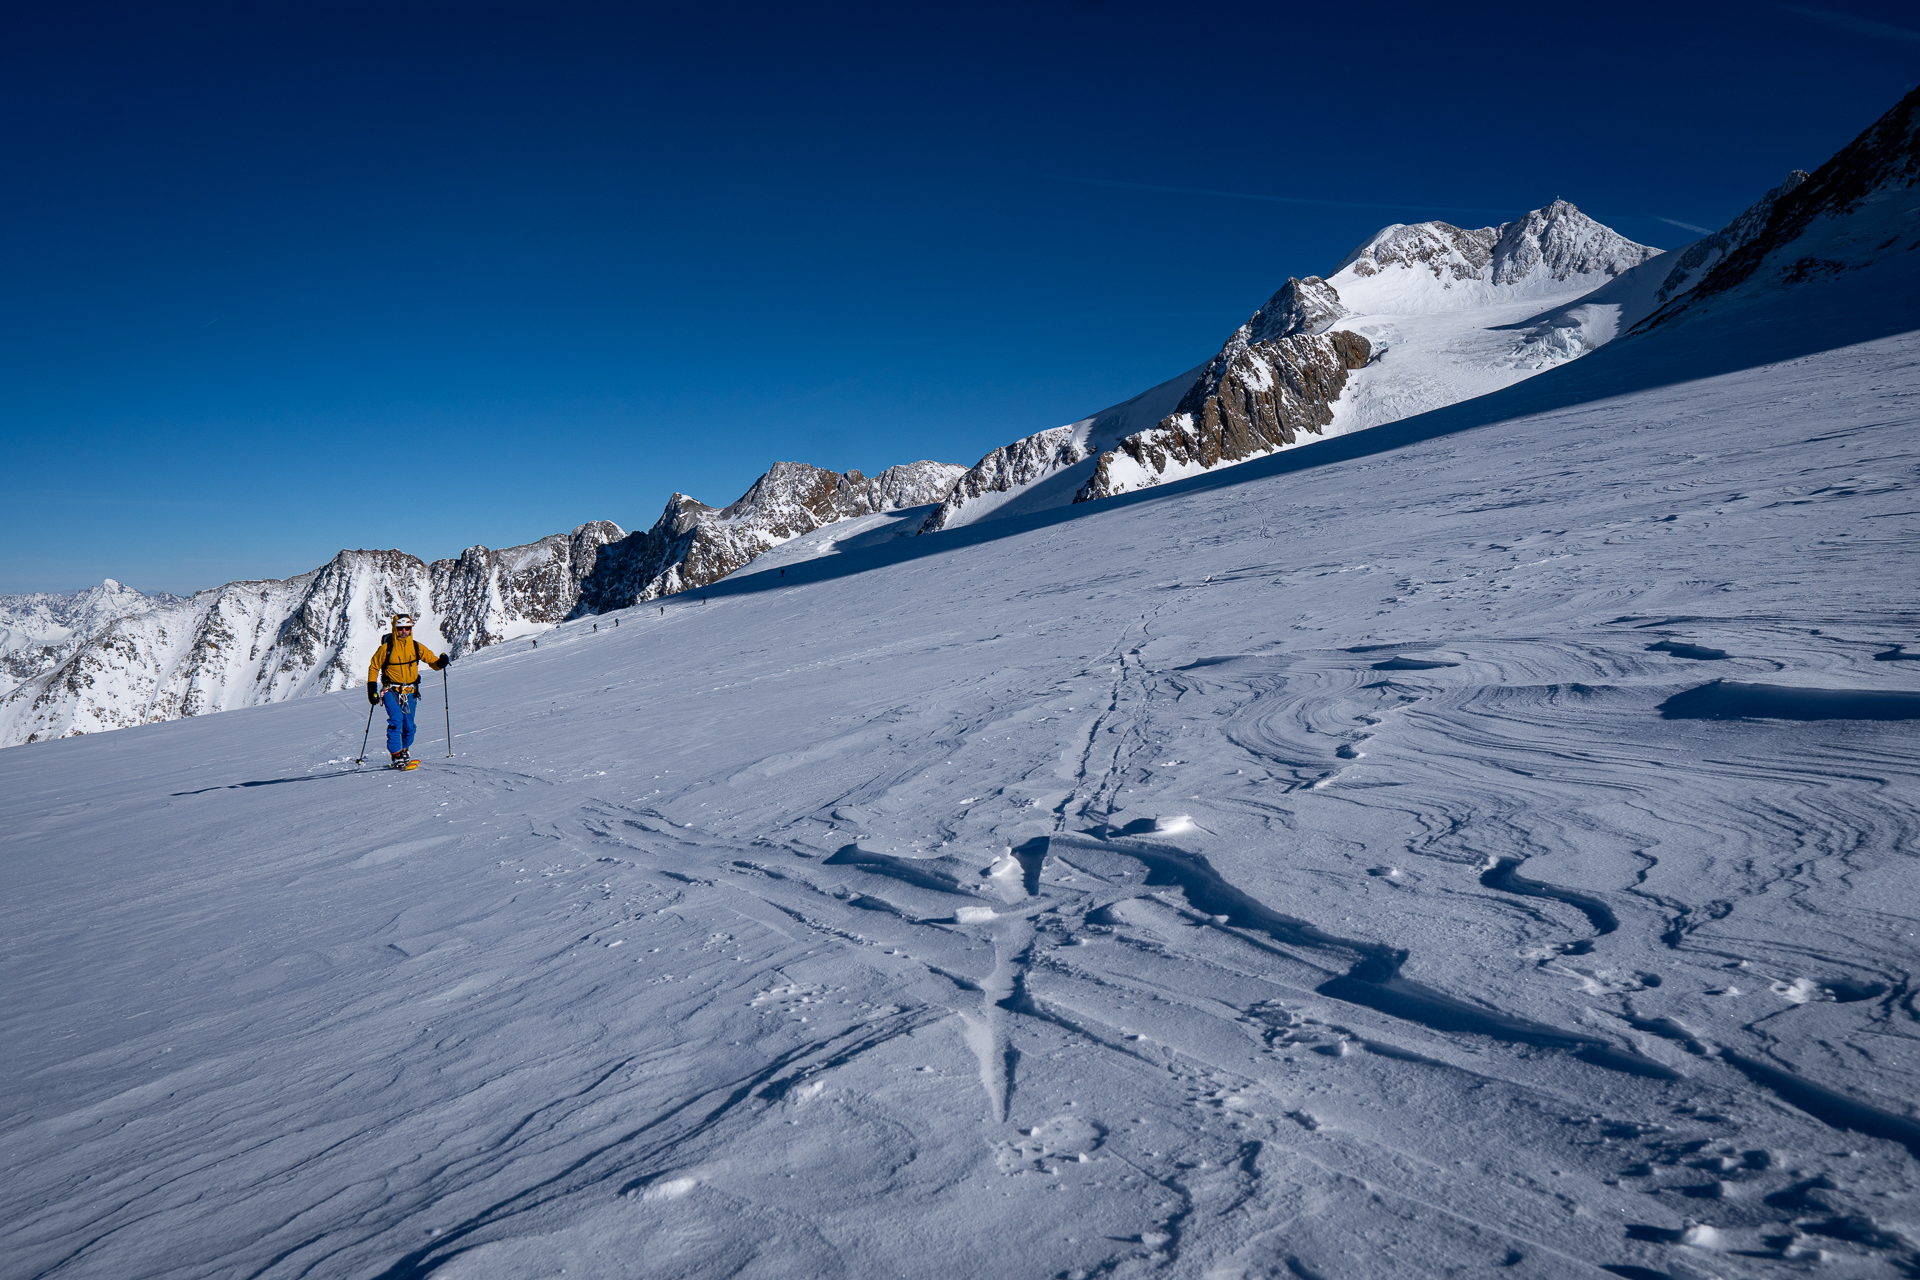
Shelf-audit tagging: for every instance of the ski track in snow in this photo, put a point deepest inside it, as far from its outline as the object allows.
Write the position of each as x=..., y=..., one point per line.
x=853, y=928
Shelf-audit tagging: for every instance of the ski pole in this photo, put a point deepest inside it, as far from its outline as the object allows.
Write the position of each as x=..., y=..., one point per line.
x=365, y=736
x=447, y=705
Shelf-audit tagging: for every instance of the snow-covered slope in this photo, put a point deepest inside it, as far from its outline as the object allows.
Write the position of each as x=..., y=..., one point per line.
x=1488, y=853
x=1571, y=330
x=1411, y=321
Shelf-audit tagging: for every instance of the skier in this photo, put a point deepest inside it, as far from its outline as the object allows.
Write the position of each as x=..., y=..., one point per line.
x=397, y=663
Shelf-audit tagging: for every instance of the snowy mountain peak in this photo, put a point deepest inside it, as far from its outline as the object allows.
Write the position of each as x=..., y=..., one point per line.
x=1435, y=266
x=1447, y=251
x=1559, y=243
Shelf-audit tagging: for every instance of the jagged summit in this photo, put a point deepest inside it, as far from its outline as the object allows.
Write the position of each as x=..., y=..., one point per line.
x=1436, y=266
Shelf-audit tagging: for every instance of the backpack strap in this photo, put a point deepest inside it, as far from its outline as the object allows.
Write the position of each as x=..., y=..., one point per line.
x=392, y=643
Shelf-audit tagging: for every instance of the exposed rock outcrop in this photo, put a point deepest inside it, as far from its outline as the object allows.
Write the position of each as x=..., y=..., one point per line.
x=1275, y=378
x=1009, y=467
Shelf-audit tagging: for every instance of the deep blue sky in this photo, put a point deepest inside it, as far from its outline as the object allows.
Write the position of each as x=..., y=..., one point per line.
x=279, y=279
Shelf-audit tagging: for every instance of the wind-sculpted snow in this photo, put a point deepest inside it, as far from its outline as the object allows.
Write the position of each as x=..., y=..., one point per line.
x=1252, y=876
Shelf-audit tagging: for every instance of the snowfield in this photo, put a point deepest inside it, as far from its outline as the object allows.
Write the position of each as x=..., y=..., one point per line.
x=1482, y=844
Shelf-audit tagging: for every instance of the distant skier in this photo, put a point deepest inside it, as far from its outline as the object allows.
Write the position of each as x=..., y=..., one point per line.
x=396, y=664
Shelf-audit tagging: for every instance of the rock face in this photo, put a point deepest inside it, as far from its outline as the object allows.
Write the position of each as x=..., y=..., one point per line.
x=692, y=544
x=129, y=659
x=485, y=596
x=1275, y=378
x=1851, y=212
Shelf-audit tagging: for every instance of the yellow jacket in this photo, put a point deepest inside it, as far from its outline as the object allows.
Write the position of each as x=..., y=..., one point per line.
x=402, y=666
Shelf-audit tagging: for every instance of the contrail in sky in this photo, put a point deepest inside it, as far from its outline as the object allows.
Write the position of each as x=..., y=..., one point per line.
x=1249, y=195
x=1849, y=22
x=1330, y=204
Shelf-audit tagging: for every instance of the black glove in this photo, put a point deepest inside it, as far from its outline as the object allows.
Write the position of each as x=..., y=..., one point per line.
x=441, y=665
x=373, y=693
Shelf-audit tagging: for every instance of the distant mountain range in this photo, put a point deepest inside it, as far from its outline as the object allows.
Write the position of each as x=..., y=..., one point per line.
x=1417, y=317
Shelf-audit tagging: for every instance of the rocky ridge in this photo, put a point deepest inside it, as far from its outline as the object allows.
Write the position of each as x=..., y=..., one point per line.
x=692, y=544
x=1011, y=466
x=156, y=658
x=1692, y=263
x=109, y=657
x=1277, y=379
x=1851, y=212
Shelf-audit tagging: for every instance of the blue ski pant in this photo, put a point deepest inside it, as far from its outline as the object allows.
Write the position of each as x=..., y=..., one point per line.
x=400, y=704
